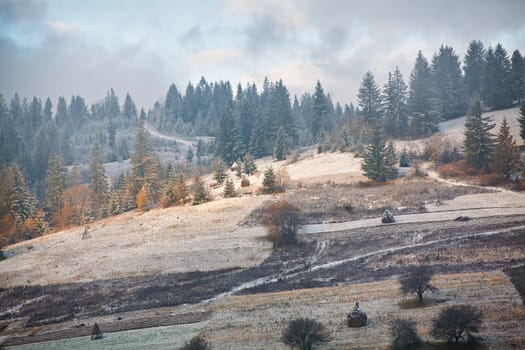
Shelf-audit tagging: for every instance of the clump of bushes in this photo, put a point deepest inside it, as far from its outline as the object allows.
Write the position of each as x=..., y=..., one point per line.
x=282, y=221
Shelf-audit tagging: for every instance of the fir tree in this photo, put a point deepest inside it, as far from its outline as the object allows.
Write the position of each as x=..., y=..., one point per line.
x=269, y=181
x=424, y=119
x=379, y=161
x=200, y=194
x=219, y=171
x=319, y=109
x=229, y=189
x=130, y=110
x=517, y=76
x=345, y=141
x=369, y=99
x=280, y=149
x=394, y=104
x=55, y=182
x=404, y=159
x=448, y=83
x=228, y=146
x=248, y=165
x=145, y=165
x=479, y=143
x=496, y=85
x=506, y=152
x=189, y=155
x=474, y=64
x=521, y=120
x=21, y=201
x=98, y=183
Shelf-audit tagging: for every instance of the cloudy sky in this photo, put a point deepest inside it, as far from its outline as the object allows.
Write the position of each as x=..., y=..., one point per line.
x=64, y=47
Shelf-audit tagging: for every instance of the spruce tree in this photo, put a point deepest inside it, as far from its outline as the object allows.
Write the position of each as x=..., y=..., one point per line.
x=189, y=155
x=145, y=165
x=269, y=181
x=394, y=104
x=379, y=160
x=248, y=165
x=521, y=120
x=200, y=194
x=506, y=152
x=219, y=171
x=98, y=183
x=447, y=83
x=496, y=84
x=479, y=142
x=420, y=100
x=345, y=141
x=369, y=99
x=319, y=109
x=229, y=189
x=404, y=159
x=129, y=110
x=474, y=64
x=55, y=182
x=228, y=146
x=21, y=201
x=517, y=76
x=280, y=149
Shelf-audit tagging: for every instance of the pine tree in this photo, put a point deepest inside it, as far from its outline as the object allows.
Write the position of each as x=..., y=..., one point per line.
x=228, y=146
x=200, y=194
x=219, y=171
x=448, y=83
x=21, y=201
x=345, y=141
x=404, y=159
x=521, y=120
x=129, y=110
x=506, y=152
x=189, y=155
x=56, y=183
x=424, y=119
x=98, y=183
x=269, y=181
x=319, y=109
x=280, y=149
x=229, y=189
x=517, y=76
x=379, y=161
x=496, y=84
x=394, y=104
x=479, y=143
x=145, y=165
x=474, y=65
x=180, y=190
x=248, y=165
x=369, y=99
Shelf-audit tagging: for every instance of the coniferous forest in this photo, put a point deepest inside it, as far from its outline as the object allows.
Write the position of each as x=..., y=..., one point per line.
x=53, y=153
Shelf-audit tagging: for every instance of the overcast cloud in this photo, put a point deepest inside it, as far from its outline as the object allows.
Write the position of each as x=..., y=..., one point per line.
x=60, y=48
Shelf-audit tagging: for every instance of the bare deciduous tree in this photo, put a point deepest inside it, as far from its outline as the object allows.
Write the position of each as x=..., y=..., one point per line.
x=457, y=323
x=404, y=334
x=282, y=220
x=303, y=333
x=416, y=280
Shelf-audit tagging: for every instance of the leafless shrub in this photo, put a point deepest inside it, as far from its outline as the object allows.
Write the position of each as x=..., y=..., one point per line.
x=282, y=220
x=457, y=323
x=303, y=333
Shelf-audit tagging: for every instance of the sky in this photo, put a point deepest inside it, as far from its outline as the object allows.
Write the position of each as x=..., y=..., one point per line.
x=52, y=48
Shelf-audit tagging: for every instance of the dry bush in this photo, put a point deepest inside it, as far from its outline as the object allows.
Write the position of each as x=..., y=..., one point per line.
x=303, y=333
x=492, y=180
x=282, y=220
x=404, y=335
x=197, y=343
x=457, y=323
x=282, y=179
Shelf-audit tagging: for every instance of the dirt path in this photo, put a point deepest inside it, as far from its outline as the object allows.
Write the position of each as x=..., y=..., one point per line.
x=177, y=139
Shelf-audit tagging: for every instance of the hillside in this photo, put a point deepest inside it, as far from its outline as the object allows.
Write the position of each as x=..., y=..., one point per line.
x=161, y=276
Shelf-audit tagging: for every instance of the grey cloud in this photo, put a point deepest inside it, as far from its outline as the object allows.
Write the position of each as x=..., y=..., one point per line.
x=22, y=12
x=265, y=33
x=192, y=36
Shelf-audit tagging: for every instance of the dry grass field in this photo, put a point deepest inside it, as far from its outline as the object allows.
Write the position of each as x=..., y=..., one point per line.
x=153, y=279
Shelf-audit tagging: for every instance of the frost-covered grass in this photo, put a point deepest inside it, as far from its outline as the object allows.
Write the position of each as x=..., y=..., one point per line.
x=158, y=338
